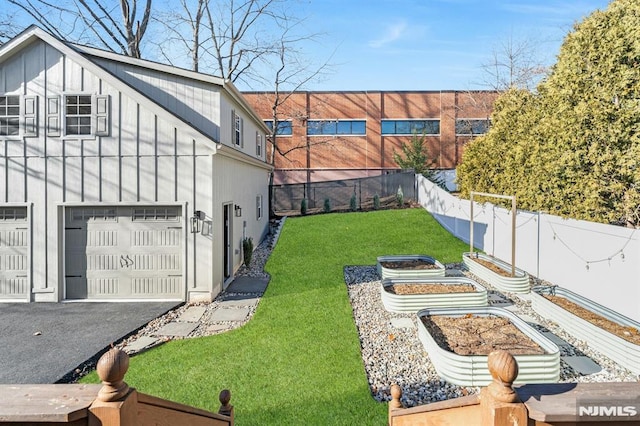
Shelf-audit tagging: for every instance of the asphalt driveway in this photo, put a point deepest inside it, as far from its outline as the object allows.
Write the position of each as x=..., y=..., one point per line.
x=42, y=342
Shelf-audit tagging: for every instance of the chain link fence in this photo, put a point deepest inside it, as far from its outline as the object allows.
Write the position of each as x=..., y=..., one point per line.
x=287, y=199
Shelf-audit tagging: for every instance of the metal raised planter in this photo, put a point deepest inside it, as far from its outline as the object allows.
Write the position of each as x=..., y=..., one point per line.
x=472, y=370
x=516, y=284
x=414, y=302
x=438, y=271
x=621, y=351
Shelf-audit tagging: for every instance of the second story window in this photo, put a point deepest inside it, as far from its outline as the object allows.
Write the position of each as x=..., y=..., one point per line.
x=9, y=115
x=409, y=127
x=237, y=129
x=336, y=127
x=78, y=114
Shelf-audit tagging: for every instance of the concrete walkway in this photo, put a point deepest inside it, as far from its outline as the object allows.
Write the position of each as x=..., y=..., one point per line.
x=231, y=309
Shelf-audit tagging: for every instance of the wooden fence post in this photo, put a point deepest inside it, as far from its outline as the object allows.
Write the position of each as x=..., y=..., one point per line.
x=499, y=402
x=226, y=409
x=116, y=404
x=395, y=403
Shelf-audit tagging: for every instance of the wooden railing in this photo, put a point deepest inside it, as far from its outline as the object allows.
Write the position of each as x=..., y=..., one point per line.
x=113, y=404
x=500, y=404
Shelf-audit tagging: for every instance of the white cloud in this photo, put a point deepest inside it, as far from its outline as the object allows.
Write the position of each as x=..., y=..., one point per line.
x=392, y=33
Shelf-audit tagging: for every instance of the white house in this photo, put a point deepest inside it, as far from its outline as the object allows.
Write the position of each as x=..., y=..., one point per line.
x=122, y=179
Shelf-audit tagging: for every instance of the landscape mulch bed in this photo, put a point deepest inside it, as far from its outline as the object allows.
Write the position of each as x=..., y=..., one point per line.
x=431, y=288
x=492, y=267
x=479, y=335
x=629, y=334
x=416, y=264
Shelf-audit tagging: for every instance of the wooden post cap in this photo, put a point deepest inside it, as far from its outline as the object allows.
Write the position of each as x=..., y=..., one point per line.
x=396, y=394
x=226, y=409
x=111, y=368
x=504, y=370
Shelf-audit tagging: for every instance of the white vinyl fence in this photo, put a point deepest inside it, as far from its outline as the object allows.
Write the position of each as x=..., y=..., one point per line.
x=600, y=262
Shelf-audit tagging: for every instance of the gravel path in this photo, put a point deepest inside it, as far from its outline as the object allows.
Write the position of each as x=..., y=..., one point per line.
x=393, y=354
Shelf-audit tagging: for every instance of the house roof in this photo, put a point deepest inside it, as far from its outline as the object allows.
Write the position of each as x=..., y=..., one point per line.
x=82, y=55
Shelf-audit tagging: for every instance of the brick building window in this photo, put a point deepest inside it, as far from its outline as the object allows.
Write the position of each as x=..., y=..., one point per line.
x=470, y=127
x=409, y=127
x=284, y=127
x=336, y=127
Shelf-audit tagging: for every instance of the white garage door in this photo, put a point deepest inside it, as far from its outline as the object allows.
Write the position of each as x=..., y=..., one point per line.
x=14, y=248
x=124, y=253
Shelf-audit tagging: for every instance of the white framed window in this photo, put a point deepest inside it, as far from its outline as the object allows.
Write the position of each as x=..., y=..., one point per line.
x=258, y=145
x=84, y=115
x=77, y=113
x=237, y=129
x=9, y=115
x=259, y=207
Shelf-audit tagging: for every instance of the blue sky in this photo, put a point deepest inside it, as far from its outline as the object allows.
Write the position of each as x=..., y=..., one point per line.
x=430, y=44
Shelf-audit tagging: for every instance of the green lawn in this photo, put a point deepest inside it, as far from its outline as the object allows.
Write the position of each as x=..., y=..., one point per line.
x=297, y=361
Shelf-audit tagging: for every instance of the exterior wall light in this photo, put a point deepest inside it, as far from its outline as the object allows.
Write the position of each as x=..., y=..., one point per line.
x=196, y=221
x=238, y=210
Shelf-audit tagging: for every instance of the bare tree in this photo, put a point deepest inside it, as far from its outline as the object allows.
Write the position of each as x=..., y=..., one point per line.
x=183, y=28
x=92, y=20
x=514, y=64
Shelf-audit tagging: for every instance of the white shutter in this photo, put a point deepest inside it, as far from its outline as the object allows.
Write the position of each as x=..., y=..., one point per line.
x=53, y=116
x=30, y=116
x=101, y=115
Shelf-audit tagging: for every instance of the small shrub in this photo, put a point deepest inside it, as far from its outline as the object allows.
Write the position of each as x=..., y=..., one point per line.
x=327, y=205
x=376, y=202
x=353, y=203
x=247, y=250
x=303, y=206
x=400, y=197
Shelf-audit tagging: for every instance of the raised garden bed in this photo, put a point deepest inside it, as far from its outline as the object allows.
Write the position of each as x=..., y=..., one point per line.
x=409, y=266
x=458, y=341
x=411, y=295
x=496, y=272
x=604, y=330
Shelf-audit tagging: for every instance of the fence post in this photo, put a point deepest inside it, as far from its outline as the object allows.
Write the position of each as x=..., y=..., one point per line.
x=116, y=404
x=499, y=402
x=395, y=403
x=226, y=409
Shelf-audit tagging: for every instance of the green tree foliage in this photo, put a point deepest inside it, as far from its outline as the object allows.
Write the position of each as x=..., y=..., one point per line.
x=573, y=148
x=415, y=155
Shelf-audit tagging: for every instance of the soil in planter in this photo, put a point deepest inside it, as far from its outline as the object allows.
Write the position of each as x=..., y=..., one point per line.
x=431, y=288
x=479, y=335
x=409, y=264
x=492, y=266
x=629, y=334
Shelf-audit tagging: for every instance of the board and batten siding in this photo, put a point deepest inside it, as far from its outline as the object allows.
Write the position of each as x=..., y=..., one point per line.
x=196, y=102
x=149, y=158
x=233, y=173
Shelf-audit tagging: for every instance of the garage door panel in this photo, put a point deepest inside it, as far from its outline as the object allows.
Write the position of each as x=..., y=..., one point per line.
x=131, y=252
x=104, y=287
x=14, y=250
x=12, y=287
x=102, y=238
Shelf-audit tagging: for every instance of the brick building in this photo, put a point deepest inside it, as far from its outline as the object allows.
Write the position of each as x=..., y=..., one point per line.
x=341, y=135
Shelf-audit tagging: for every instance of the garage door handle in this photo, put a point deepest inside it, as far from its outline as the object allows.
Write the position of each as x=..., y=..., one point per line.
x=21, y=276
x=176, y=275
x=72, y=228
x=73, y=276
x=22, y=228
x=174, y=227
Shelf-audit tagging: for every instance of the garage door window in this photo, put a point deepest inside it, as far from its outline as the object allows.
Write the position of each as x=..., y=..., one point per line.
x=94, y=214
x=155, y=214
x=7, y=214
